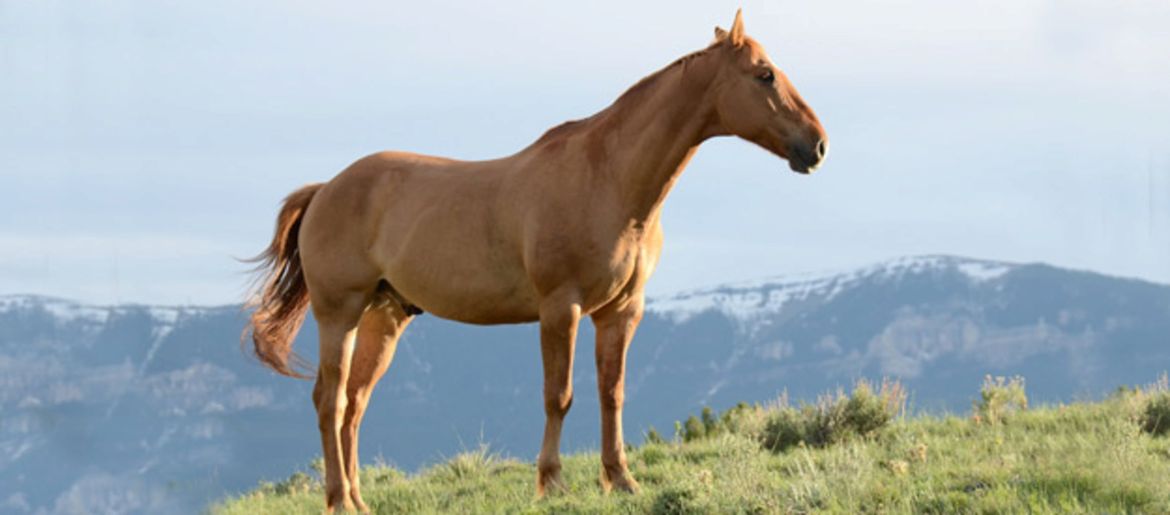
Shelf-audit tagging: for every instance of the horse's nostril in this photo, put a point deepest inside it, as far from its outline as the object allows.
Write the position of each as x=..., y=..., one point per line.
x=822, y=148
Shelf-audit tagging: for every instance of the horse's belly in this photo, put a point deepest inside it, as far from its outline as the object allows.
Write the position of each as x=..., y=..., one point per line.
x=459, y=283
x=476, y=302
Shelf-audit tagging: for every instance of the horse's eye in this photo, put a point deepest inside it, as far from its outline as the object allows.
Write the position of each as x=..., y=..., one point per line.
x=766, y=77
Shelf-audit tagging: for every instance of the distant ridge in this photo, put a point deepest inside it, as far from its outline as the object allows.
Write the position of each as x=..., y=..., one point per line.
x=159, y=409
x=745, y=300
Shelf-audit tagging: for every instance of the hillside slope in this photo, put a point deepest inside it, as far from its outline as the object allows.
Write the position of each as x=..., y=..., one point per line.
x=1079, y=458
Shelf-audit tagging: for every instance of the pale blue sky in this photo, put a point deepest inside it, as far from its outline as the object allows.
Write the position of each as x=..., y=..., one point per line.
x=143, y=144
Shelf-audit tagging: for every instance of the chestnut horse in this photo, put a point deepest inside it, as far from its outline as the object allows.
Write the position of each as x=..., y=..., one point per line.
x=566, y=228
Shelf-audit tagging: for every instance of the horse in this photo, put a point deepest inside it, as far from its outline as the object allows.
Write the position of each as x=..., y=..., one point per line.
x=566, y=228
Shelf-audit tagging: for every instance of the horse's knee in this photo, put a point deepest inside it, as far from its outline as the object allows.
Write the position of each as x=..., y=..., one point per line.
x=356, y=410
x=318, y=389
x=359, y=395
x=612, y=399
x=331, y=410
x=558, y=400
x=329, y=419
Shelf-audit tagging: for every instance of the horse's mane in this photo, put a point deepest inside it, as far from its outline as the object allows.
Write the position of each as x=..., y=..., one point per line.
x=631, y=96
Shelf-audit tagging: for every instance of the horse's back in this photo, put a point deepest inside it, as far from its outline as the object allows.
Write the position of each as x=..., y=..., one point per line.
x=472, y=241
x=430, y=226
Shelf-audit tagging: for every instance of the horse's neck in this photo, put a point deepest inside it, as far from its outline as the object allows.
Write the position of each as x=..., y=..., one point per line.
x=653, y=138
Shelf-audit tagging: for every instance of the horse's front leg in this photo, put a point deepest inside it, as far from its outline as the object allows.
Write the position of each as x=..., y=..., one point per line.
x=558, y=334
x=615, y=328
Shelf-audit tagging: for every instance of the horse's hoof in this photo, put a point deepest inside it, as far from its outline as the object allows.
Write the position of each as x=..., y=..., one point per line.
x=338, y=502
x=627, y=485
x=619, y=480
x=550, y=484
x=359, y=504
x=346, y=507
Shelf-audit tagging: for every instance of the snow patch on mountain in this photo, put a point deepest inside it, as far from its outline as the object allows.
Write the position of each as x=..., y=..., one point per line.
x=750, y=300
x=983, y=271
x=62, y=310
x=166, y=318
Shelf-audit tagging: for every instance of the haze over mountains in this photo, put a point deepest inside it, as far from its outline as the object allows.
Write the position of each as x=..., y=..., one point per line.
x=131, y=408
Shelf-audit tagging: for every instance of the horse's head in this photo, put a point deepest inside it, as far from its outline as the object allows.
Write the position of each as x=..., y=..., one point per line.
x=755, y=101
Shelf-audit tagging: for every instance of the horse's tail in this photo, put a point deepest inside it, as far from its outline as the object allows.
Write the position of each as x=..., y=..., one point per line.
x=281, y=298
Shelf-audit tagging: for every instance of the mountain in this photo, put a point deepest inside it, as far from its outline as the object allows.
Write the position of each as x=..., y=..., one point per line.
x=145, y=408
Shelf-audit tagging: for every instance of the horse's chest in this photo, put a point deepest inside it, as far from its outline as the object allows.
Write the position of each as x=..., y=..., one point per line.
x=606, y=271
x=594, y=262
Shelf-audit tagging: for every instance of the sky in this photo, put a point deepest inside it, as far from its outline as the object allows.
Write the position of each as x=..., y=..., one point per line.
x=146, y=144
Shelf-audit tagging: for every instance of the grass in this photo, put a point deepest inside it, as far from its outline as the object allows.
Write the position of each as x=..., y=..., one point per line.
x=1075, y=458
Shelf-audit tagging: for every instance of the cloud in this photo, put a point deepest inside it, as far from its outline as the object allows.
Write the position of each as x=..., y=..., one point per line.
x=148, y=154
x=105, y=267
x=776, y=351
x=16, y=502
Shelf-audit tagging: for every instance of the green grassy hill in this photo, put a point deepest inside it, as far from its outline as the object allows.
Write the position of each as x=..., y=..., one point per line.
x=843, y=454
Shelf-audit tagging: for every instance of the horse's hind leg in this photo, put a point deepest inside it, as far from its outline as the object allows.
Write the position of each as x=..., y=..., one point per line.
x=377, y=338
x=337, y=320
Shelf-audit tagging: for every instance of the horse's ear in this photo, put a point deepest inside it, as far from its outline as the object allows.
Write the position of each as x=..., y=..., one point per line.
x=720, y=34
x=736, y=35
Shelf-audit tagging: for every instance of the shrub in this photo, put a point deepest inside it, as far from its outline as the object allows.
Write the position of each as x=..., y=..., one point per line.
x=652, y=437
x=381, y=473
x=468, y=464
x=1156, y=419
x=865, y=411
x=299, y=482
x=710, y=423
x=744, y=419
x=786, y=427
x=677, y=501
x=652, y=455
x=834, y=417
x=693, y=429
x=1140, y=404
x=999, y=398
x=318, y=467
